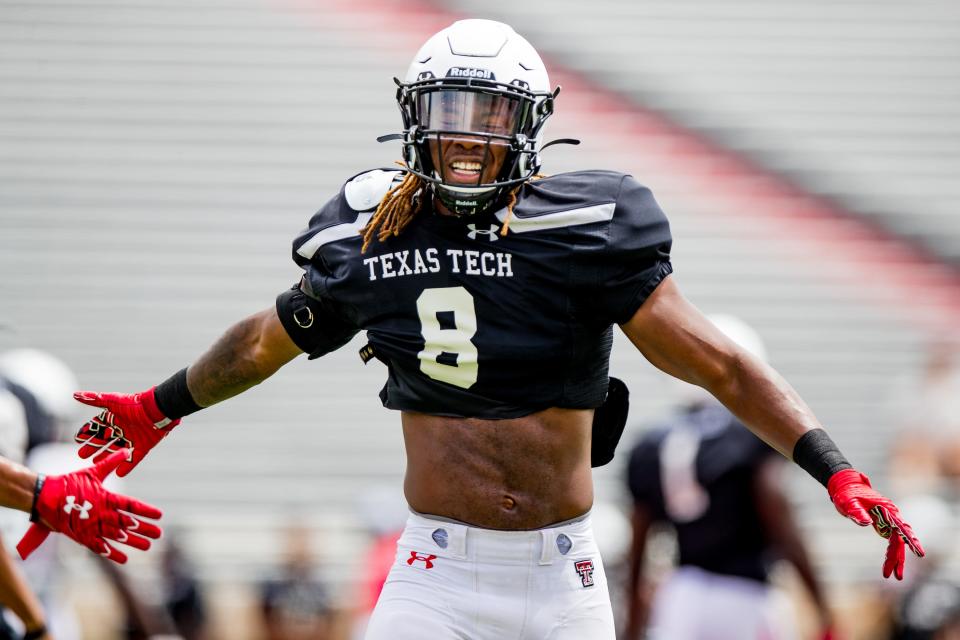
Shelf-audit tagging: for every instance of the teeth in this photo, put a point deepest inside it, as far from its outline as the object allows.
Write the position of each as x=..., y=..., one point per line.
x=460, y=165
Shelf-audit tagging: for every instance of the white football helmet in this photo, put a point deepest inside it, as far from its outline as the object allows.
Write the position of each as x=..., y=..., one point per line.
x=50, y=384
x=741, y=333
x=476, y=94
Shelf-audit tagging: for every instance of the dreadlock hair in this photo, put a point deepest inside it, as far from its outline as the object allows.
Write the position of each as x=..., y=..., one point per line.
x=395, y=211
x=403, y=202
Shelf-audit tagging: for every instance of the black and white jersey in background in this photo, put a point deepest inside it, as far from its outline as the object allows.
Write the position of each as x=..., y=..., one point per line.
x=472, y=323
x=697, y=473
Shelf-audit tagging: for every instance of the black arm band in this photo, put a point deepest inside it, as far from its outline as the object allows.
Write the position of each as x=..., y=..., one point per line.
x=37, y=488
x=173, y=397
x=39, y=632
x=816, y=454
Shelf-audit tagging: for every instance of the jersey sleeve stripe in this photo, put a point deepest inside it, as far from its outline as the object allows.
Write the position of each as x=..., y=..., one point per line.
x=332, y=234
x=570, y=218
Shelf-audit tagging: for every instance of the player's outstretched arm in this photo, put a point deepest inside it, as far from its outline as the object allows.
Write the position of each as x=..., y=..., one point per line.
x=78, y=506
x=678, y=339
x=248, y=353
x=16, y=595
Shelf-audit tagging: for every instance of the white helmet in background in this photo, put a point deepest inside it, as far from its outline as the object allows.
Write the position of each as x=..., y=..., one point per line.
x=739, y=332
x=476, y=80
x=13, y=427
x=50, y=384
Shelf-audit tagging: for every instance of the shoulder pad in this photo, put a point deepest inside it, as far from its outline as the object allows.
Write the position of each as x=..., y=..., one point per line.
x=365, y=191
x=565, y=200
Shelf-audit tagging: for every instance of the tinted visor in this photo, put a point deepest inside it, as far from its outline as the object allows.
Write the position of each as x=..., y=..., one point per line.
x=469, y=111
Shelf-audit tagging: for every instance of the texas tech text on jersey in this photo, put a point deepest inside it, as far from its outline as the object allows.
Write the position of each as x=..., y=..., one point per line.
x=474, y=323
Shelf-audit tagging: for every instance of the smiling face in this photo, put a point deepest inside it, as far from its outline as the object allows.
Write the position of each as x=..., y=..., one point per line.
x=456, y=122
x=467, y=161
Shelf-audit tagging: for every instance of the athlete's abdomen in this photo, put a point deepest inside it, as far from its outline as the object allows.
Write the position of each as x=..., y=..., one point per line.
x=519, y=473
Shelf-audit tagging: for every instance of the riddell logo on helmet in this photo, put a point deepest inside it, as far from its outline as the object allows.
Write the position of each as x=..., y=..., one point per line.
x=467, y=72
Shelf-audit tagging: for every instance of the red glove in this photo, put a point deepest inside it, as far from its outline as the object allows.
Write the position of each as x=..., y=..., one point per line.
x=127, y=421
x=854, y=498
x=78, y=506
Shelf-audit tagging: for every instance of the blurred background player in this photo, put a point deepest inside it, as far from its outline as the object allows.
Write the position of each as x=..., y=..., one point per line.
x=927, y=606
x=15, y=592
x=721, y=489
x=43, y=386
x=172, y=604
x=294, y=603
x=183, y=594
x=925, y=453
x=36, y=412
x=924, y=467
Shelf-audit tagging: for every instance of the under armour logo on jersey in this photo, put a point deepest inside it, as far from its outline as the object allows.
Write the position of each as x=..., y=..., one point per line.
x=585, y=569
x=426, y=558
x=72, y=505
x=491, y=233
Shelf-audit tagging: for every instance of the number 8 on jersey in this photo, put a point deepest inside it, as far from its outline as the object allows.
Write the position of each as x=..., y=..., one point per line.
x=448, y=320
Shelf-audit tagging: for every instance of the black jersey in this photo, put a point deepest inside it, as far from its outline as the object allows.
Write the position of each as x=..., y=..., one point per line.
x=698, y=474
x=474, y=323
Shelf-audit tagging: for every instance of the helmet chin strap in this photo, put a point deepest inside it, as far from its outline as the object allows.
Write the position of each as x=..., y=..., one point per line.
x=467, y=205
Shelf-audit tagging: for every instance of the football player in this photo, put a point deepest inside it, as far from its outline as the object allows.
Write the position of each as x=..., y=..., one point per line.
x=35, y=401
x=490, y=294
x=720, y=488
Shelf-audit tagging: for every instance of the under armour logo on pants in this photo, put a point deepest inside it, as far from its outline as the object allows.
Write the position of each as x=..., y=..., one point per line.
x=426, y=558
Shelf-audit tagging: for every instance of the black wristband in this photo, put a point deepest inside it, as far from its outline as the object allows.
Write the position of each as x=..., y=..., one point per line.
x=37, y=488
x=817, y=454
x=39, y=632
x=173, y=397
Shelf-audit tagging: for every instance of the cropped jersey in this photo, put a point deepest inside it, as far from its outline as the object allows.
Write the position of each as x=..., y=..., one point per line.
x=474, y=323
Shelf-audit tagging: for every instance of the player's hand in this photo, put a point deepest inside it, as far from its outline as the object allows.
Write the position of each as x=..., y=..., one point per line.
x=78, y=506
x=854, y=498
x=126, y=422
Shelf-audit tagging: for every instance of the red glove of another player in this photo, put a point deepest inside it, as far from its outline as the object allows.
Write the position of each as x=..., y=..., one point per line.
x=127, y=421
x=78, y=506
x=854, y=498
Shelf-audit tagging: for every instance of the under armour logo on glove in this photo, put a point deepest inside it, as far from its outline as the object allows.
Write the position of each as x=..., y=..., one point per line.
x=426, y=558
x=585, y=569
x=72, y=505
x=102, y=517
x=491, y=233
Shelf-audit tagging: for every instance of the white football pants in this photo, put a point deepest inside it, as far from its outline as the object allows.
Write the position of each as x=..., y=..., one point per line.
x=454, y=581
x=694, y=604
